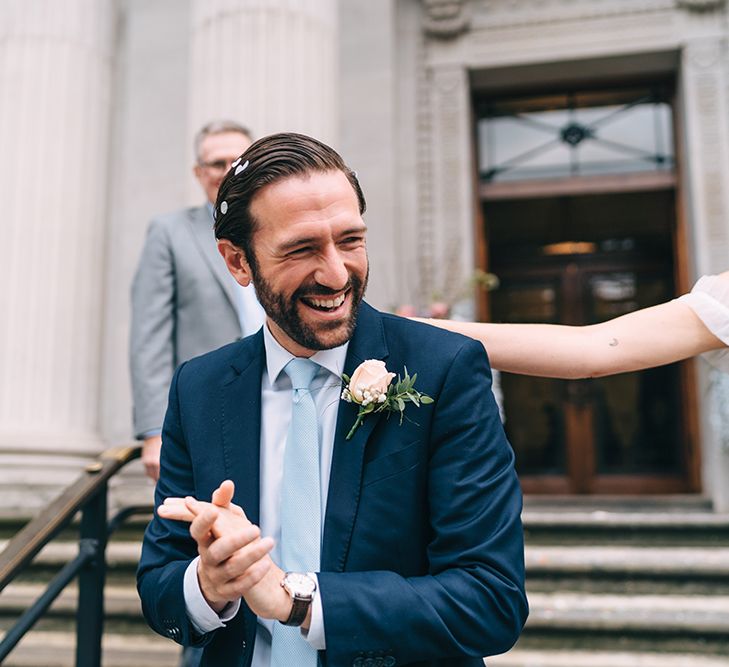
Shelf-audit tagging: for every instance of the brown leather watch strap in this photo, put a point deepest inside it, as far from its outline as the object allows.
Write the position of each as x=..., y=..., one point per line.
x=298, y=611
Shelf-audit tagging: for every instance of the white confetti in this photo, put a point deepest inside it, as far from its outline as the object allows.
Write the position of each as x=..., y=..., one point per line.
x=240, y=168
x=236, y=163
x=224, y=207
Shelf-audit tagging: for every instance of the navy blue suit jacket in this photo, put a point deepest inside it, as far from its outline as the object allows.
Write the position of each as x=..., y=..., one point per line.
x=422, y=558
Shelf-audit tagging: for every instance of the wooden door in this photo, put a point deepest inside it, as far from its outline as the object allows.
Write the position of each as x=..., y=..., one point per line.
x=620, y=434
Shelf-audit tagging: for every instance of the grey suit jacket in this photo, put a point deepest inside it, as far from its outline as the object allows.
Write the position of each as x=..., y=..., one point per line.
x=183, y=305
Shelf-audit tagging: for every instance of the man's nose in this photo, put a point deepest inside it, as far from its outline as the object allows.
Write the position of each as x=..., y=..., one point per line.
x=332, y=271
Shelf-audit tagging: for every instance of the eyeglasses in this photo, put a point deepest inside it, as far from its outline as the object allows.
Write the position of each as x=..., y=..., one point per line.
x=217, y=165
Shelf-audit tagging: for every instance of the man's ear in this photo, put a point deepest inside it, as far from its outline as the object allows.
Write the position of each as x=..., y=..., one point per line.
x=235, y=260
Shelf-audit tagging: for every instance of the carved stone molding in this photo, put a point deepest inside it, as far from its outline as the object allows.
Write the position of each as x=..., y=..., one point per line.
x=700, y=5
x=424, y=254
x=450, y=108
x=704, y=56
x=445, y=19
x=497, y=14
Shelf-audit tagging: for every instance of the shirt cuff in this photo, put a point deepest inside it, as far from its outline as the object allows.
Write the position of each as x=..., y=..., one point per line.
x=203, y=618
x=151, y=434
x=315, y=635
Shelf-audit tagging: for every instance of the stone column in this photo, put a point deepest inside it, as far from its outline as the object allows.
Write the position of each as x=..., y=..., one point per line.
x=55, y=60
x=705, y=97
x=270, y=64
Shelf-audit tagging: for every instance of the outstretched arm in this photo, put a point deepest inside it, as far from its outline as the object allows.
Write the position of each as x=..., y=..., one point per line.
x=645, y=338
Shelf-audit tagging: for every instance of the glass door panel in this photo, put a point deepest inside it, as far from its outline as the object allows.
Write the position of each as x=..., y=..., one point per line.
x=533, y=407
x=637, y=416
x=535, y=423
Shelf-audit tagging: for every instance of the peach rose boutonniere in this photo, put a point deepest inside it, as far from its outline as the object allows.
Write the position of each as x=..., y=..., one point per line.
x=371, y=388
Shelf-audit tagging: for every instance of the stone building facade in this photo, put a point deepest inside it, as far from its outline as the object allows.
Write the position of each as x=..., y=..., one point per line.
x=106, y=95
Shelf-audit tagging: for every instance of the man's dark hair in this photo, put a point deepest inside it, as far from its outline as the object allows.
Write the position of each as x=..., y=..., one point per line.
x=271, y=159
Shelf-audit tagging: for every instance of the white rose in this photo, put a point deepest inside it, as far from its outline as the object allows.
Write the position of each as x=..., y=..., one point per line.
x=371, y=377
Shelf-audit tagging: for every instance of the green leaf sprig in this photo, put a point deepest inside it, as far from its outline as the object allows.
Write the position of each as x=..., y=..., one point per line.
x=394, y=400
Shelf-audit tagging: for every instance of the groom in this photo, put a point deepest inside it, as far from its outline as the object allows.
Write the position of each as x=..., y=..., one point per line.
x=401, y=545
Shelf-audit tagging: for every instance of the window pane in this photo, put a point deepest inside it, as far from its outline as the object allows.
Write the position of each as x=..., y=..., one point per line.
x=518, y=140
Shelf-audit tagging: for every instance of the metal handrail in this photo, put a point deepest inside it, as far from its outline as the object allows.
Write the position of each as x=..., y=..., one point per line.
x=58, y=513
x=88, y=494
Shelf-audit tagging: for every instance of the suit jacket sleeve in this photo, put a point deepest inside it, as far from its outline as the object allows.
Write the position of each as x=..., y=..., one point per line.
x=167, y=548
x=152, y=351
x=472, y=601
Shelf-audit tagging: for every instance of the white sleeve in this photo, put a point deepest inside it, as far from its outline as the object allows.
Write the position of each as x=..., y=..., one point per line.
x=315, y=635
x=201, y=615
x=709, y=299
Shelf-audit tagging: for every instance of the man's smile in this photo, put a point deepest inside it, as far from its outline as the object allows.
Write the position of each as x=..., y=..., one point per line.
x=326, y=304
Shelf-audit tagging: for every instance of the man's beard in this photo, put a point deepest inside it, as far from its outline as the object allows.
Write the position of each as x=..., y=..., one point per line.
x=284, y=311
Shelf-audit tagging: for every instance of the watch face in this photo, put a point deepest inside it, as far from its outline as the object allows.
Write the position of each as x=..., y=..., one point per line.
x=298, y=584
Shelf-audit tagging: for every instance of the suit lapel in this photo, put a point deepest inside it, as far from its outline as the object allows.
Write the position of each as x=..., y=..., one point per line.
x=201, y=227
x=241, y=424
x=345, y=478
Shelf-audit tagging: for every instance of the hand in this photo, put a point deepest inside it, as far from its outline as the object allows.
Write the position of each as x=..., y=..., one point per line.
x=233, y=556
x=151, y=448
x=176, y=509
x=229, y=569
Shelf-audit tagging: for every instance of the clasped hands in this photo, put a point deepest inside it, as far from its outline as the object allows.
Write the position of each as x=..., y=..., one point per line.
x=234, y=558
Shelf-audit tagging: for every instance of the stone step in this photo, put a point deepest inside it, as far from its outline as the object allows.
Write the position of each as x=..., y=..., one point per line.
x=628, y=569
x=60, y=552
x=661, y=504
x=703, y=562
x=119, y=601
x=536, y=658
x=57, y=649
x=640, y=520
x=570, y=526
x=121, y=557
x=703, y=616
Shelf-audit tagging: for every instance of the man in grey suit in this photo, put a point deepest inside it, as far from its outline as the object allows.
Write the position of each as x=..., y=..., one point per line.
x=184, y=300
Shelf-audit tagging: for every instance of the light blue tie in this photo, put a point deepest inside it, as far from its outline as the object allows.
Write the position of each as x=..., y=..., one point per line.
x=300, y=543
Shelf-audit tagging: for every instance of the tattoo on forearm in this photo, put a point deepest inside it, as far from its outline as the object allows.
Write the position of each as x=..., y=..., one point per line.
x=613, y=342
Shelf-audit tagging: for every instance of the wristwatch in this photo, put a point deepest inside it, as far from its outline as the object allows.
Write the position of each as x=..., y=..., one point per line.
x=301, y=588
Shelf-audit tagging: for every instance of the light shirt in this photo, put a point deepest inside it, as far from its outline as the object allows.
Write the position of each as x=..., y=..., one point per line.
x=276, y=402
x=709, y=299
x=250, y=313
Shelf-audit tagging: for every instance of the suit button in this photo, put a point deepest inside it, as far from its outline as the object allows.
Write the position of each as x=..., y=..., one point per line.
x=243, y=645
